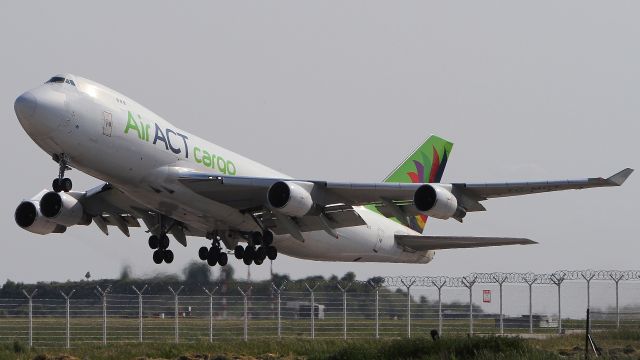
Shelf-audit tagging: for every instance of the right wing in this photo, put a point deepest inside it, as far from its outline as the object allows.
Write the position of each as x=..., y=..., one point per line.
x=425, y=243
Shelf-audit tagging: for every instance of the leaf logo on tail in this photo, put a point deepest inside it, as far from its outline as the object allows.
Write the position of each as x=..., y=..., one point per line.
x=420, y=176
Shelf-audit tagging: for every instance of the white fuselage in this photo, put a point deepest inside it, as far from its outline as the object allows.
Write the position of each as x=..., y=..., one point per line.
x=111, y=137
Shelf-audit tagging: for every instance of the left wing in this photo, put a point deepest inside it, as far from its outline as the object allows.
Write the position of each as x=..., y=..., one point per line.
x=392, y=199
x=424, y=243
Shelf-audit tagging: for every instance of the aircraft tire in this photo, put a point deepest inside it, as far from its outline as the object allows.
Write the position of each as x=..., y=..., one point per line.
x=203, y=253
x=168, y=256
x=257, y=261
x=158, y=256
x=164, y=241
x=261, y=253
x=272, y=252
x=223, y=259
x=256, y=238
x=56, y=185
x=153, y=242
x=66, y=184
x=247, y=258
x=267, y=238
x=238, y=252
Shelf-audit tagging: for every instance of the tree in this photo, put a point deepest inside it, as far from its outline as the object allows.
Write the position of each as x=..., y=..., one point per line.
x=197, y=273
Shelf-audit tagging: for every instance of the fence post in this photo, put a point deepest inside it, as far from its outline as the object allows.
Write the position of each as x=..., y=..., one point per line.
x=246, y=312
x=588, y=276
x=210, y=293
x=175, y=311
x=68, y=327
x=408, y=285
x=530, y=281
x=500, y=279
x=617, y=279
x=376, y=287
x=344, y=309
x=139, y=292
x=278, y=291
x=439, y=285
x=103, y=296
x=30, y=297
x=557, y=280
x=468, y=283
x=313, y=305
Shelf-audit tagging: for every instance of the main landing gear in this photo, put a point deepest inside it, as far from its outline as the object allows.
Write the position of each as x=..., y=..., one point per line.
x=213, y=255
x=62, y=183
x=161, y=244
x=257, y=255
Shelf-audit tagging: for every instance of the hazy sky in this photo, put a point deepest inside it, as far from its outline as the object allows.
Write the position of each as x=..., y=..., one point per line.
x=343, y=90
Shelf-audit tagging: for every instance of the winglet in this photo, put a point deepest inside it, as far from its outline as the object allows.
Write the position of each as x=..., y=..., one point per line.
x=620, y=177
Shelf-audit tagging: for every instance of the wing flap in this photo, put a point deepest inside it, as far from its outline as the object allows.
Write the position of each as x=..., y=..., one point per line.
x=425, y=243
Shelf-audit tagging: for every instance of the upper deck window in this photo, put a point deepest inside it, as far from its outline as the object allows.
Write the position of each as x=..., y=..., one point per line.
x=56, y=79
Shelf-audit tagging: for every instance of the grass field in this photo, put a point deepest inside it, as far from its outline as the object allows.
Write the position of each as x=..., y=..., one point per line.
x=616, y=345
x=51, y=331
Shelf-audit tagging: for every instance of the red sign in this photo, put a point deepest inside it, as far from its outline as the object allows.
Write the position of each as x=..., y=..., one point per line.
x=486, y=296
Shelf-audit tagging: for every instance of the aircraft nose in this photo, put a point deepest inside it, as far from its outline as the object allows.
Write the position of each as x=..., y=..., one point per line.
x=25, y=105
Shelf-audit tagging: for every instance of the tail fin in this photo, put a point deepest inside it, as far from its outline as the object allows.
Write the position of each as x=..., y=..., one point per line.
x=425, y=165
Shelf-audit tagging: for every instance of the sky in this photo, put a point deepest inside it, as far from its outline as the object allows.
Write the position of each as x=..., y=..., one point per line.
x=344, y=90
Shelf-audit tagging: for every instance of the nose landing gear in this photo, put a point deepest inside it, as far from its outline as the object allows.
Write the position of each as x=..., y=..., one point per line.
x=62, y=183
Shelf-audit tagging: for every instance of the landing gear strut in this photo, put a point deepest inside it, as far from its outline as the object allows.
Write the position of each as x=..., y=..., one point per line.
x=62, y=183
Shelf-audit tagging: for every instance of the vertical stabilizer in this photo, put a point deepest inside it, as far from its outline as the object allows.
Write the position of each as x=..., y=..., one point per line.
x=425, y=165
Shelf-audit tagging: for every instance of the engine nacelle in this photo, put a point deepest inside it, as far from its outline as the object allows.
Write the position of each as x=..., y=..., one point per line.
x=28, y=217
x=290, y=198
x=438, y=202
x=63, y=209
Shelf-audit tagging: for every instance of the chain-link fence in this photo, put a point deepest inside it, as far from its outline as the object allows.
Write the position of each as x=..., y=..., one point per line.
x=480, y=303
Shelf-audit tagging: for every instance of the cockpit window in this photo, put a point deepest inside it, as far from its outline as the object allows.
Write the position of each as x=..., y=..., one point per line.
x=56, y=79
x=60, y=80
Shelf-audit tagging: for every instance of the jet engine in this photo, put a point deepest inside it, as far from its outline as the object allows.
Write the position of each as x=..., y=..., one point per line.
x=63, y=209
x=438, y=202
x=290, y=198
x=28, y=217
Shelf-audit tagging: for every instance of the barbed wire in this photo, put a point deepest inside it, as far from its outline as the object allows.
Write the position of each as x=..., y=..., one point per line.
x=513, y=278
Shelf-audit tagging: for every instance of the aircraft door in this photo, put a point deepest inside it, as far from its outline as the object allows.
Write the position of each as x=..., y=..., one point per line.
x=107, y=126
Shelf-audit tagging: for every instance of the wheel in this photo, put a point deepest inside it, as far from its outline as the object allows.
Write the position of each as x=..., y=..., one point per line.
x=203, y=253
x=158, y=256
x=164, y=241
x=153, y=242
x=238, y=252
x=250, y=252
x=261, y=253
x=223, y=259
x=247, y=259
x=267, y=238
x=56, y=185
x=257, y=261
x=66, y=184
x=256, y=238
x=272, y=252
x=212, y=260
x=168, y=256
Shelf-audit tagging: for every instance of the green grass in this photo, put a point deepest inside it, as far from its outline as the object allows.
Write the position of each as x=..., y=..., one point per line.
x=617, y=345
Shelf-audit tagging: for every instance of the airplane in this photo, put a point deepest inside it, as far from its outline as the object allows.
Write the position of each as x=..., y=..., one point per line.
x=178, y=184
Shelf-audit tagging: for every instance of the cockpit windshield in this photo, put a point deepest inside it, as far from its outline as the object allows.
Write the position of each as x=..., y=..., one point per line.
x=59, y=79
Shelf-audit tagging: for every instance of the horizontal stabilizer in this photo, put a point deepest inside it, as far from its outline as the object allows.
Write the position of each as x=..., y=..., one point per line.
x=424, y=243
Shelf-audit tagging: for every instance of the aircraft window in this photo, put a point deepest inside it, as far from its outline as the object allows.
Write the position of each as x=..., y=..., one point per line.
x=56, y=79
x=70, y=82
